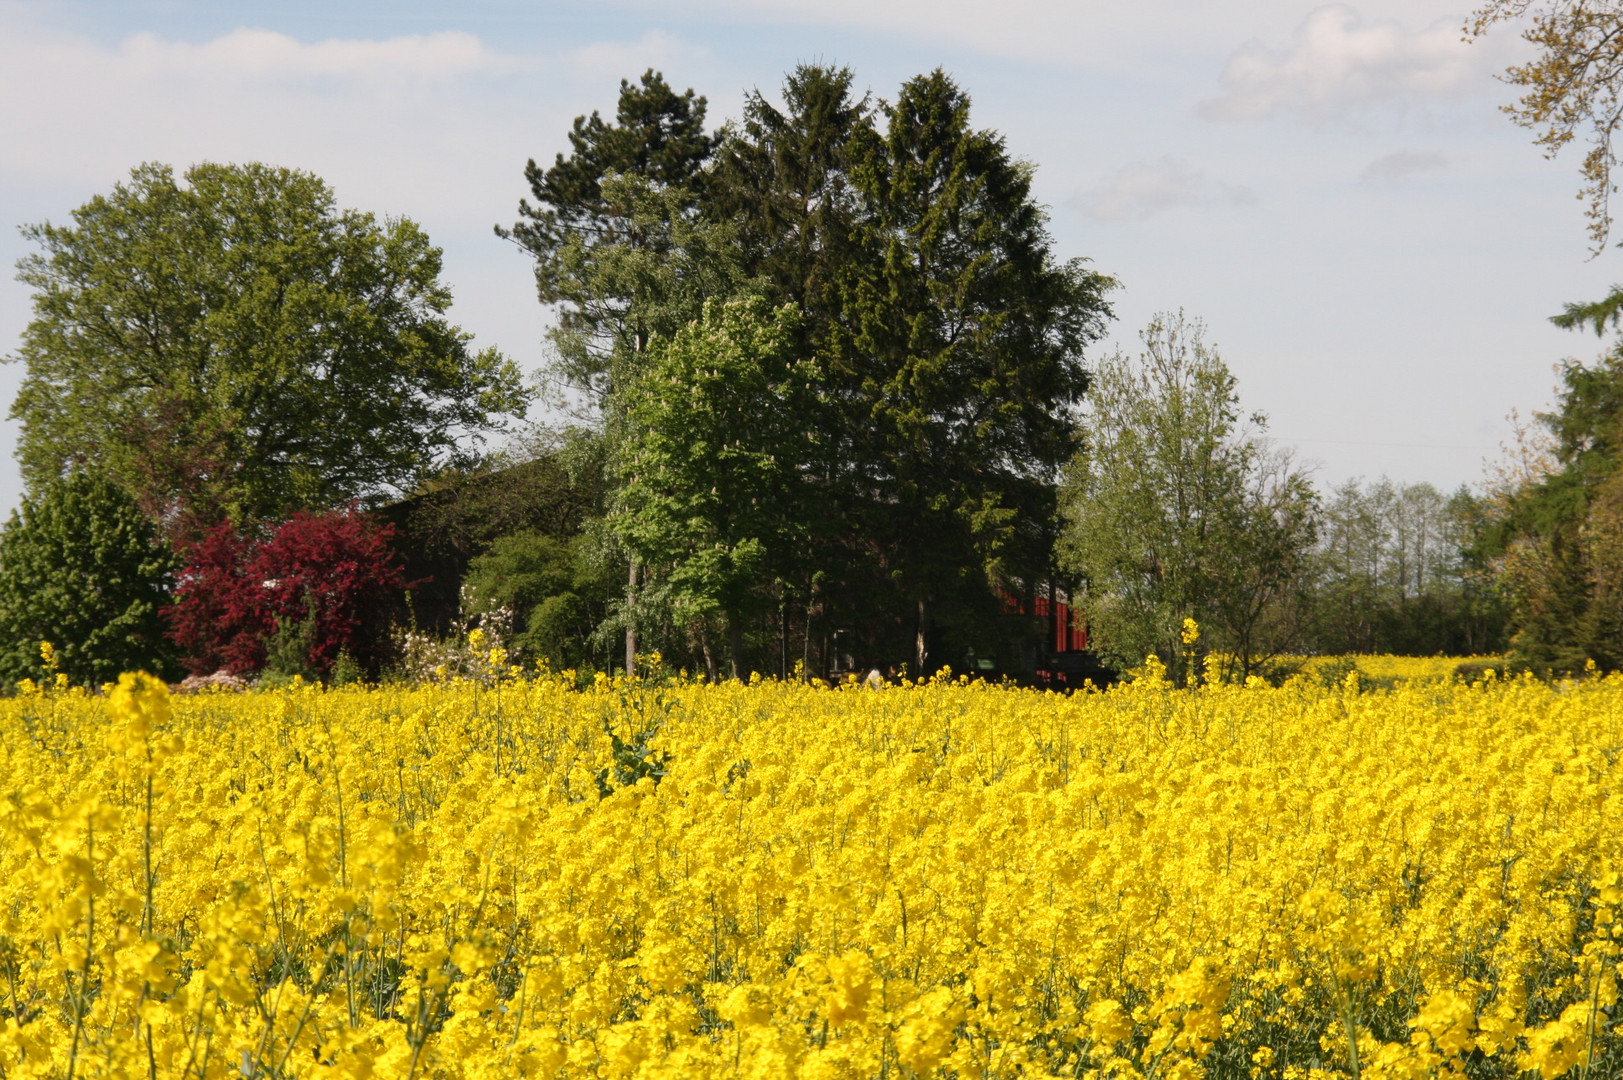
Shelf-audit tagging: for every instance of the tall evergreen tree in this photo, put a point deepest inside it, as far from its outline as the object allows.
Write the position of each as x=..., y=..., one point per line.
x=783, y=177
x=606, y=217
x=966, y=361
x=782, y=180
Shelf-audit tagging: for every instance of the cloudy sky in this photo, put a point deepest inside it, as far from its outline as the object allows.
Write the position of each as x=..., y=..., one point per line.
x=1373, y=246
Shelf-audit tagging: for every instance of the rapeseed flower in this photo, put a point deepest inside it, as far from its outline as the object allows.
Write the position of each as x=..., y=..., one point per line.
x=515, y=876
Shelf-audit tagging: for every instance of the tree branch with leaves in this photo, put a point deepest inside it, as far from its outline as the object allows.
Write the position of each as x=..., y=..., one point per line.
x=1571, y=88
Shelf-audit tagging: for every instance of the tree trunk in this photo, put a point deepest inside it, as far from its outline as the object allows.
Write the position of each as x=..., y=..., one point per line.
x=921, y=651
x=631, y=629
x=783, y=636
x=709, y=658
x=735, y=643
x=1053, y=618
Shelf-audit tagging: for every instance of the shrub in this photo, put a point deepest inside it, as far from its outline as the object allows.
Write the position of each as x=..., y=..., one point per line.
x=83, y=568
x=220, y=618
x=557, y=591
x=321, y=585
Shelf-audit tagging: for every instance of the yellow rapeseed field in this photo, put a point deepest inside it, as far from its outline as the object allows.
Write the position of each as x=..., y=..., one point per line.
x=517, y=877
x=1399, y=668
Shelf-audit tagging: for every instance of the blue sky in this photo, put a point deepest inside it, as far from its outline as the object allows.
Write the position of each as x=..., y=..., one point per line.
x=1373, y=246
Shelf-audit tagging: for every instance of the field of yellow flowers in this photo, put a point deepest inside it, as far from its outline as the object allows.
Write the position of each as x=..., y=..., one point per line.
x=520, y=877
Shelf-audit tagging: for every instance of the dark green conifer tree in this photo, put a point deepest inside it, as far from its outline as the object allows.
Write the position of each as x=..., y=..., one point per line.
x=966, y=364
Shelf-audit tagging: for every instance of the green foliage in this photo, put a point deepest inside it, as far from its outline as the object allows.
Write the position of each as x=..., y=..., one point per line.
x=287, y=654
x=658, y=135
x=556, y=588
x=1175, y=510
x=1333, y=672
x=550, y=481
x=648, y=281
x=346, y=670
x=938, y=343
x=1573, y=86
x=949, y=346
x=616, y=238
x=237, y=345
x=782, y=179
x=1394, y=572
x=1557, y=537
x=710, y=492
x=964, y=364
x=83, y=568
x=634, y=760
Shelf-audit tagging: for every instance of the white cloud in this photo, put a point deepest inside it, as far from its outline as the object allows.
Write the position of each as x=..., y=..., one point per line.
x=1100, y=34
x=1338, y=61
x=655, y=49
x=248, y=53
x=81, y=113
x=1145, y=188
x=1401, y=165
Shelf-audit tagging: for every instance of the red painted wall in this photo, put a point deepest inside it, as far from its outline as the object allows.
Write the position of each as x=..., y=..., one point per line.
x=1070, y=635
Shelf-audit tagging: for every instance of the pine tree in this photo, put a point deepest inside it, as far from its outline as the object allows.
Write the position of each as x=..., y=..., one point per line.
x=612, y=232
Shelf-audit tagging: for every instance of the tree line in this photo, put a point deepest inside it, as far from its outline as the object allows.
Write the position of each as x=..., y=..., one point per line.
x=833, y=405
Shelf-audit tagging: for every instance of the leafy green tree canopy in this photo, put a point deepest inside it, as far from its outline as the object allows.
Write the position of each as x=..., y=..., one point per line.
x=1394, y=571
x=83, y=568
x=1174, y=509
x=236, y=344
x=709, y=468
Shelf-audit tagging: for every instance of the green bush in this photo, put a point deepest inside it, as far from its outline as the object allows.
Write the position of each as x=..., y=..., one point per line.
x=557, y=591
x=83, y=568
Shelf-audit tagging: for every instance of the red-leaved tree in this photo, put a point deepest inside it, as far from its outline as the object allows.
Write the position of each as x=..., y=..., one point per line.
x=336, y=570
x=220, y=618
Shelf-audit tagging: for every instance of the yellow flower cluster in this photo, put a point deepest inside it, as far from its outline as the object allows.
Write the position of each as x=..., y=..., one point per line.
x=1402, y=668
x=646, y=879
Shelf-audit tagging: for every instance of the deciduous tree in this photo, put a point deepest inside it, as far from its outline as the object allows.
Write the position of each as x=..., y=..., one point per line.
x=1572, y=88
x=1394, y=571
x=233, y=344
x=1175, y=509
x=709, y=470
